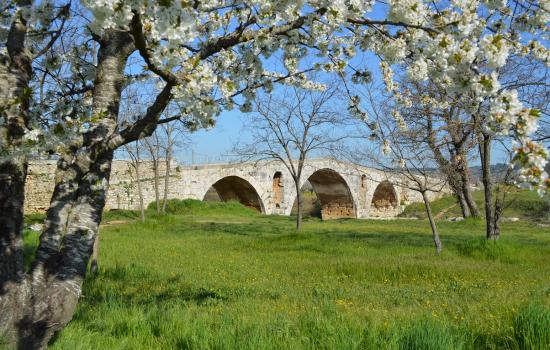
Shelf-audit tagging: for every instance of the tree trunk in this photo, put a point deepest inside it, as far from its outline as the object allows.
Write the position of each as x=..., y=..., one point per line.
x=464, y=209
x=46, y=298
x=499, y=207
x=467, y=190
x=140, y=191
x=13, y=283
x=435, y=234
x=449, y=169
x=485, y=154
x=156, y=183
x=300, y=205
x=15, y=75
x=470, y=202
x=168, y=159
x=94, y=265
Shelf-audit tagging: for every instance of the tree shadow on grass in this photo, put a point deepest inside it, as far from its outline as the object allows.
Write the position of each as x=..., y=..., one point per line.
x=130, y=286
x=239, y=229
x=325, y=240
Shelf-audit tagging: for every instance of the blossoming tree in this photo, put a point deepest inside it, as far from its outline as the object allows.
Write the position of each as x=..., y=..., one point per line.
x=204, y=56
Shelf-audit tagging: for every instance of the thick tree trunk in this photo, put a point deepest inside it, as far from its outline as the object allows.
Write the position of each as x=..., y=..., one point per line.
x=485, y=154
x=435, y=234
x=46, y=298
x=300, y=207
x=15, y=74
x=13, y=283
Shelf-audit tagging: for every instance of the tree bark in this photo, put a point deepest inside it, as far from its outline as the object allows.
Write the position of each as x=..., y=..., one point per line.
x=168, y=159
x=485, y=154
x=300, y=204
x=140, y=191
x=156, y=183
x=461, y=199
x=94, y=265
x=46, y=298
x=449, y=168
x=499, y=208
x=435, y=234
x=15, y=75
x=468, y=196
x=463, y=171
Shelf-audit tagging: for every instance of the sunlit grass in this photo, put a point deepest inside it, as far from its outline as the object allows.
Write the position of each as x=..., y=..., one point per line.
x=519, y=203
x=231, y=279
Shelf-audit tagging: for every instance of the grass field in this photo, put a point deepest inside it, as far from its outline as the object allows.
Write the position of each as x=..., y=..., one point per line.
x=522, y=204
x=219, y=276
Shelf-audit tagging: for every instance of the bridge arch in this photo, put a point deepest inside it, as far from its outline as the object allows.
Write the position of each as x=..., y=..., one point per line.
x=235, y=188
x=333, y=193
x=385, y=200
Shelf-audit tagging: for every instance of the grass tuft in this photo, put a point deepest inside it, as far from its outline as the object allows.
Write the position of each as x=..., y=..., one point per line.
x=532, y=327
x=481, y=248
x=428, y=334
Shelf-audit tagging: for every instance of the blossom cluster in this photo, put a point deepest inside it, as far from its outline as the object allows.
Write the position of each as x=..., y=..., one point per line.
x=461, y=48
x=221, y=51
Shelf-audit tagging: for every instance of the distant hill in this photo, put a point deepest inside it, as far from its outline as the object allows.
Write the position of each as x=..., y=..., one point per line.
x=497, y=170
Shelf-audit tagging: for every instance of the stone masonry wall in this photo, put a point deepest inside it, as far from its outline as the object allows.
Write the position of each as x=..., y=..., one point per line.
x=194, y=182
x=122, y=192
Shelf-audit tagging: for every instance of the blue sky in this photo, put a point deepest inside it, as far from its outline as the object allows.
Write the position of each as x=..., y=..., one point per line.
x=215, y=142
x=209, y=145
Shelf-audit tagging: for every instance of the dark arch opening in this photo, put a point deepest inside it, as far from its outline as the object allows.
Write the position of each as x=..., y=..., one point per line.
x=234, y=188
x=384, y=201
x=332, y=193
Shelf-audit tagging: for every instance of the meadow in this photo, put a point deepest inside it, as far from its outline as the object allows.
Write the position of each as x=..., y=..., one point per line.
x=220, y=276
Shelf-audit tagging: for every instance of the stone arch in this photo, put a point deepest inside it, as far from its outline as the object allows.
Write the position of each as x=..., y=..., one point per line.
x=384, y=201
x=334, y=194
x=278, y=189
x=235, y=188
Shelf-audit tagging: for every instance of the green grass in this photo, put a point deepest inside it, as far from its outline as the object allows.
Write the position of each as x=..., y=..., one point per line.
x=219, y=276
x=522, y=204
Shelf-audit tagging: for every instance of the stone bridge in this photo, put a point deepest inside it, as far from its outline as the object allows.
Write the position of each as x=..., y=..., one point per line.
x=343, y=189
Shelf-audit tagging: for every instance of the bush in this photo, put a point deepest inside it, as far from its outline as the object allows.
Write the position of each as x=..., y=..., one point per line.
x=532, y=327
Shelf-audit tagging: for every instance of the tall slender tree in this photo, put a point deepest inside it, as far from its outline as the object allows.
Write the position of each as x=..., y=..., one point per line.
x=289, y=126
